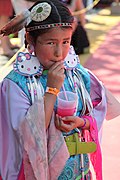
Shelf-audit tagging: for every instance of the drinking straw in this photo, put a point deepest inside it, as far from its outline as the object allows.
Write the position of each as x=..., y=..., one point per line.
x=64, y=92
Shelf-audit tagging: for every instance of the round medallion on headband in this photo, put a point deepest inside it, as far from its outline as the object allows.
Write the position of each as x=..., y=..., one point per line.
x=40, y=12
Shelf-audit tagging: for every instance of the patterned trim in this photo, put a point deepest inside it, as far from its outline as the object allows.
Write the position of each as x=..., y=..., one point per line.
x=46, y=26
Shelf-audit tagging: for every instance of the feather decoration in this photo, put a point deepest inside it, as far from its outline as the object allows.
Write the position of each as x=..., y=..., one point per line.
x=16, y=24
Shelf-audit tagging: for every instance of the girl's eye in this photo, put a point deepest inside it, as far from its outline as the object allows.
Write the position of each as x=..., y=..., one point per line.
x=22, y=66
x=51, y=43
x=66, y=42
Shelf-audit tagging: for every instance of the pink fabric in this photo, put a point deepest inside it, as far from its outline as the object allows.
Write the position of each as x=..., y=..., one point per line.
x=21, y=174
x=44, y=153
x=96, y=157
x=95, y=103
x=27, y=168
x=28, y=117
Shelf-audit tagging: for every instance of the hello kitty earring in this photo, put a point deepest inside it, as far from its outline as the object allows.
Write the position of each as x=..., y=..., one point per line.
x=71, y=64
x=71, y=61
x=29, y=66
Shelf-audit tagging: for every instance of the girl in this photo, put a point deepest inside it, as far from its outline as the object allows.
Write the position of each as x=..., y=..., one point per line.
x=37, y=143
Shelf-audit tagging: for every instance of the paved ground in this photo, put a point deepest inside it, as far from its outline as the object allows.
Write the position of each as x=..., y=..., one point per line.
x=104, y=61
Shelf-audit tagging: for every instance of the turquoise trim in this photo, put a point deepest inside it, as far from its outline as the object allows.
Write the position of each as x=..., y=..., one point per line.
x=72, y=168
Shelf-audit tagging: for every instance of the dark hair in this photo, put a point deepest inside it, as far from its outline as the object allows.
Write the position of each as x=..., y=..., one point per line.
x=59, y=14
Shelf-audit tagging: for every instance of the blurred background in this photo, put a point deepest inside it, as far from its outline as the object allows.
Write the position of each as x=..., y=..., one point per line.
x=102, y=57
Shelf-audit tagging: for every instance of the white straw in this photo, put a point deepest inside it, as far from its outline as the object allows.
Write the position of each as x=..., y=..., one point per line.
x=64, y=92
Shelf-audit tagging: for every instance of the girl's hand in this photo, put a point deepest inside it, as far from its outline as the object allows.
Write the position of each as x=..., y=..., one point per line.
x=69, y=123
x=56, y=75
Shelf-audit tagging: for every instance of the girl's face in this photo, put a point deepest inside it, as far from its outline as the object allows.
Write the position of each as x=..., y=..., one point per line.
x=53, y=46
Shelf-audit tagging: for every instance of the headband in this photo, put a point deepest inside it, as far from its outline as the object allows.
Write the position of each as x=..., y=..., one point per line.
x=46, y=26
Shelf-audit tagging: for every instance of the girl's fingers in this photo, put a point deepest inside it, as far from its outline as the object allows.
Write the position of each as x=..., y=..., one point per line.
x=61, y=125
x=56, y=66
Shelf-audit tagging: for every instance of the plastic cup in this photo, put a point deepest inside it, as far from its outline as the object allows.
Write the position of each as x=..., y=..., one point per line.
x=67, y=102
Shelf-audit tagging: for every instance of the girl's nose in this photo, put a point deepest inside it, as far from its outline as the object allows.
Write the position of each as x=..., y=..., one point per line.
x=58, y=51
